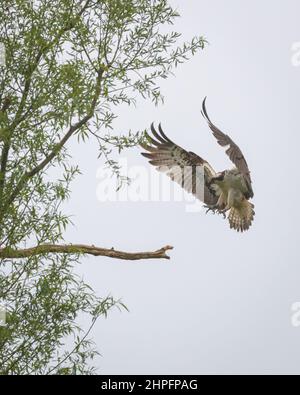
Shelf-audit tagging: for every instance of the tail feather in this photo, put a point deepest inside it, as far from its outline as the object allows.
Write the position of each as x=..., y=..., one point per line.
x=241, y=217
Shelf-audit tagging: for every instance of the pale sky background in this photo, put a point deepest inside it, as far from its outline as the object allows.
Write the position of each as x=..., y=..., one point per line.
x=222, y=304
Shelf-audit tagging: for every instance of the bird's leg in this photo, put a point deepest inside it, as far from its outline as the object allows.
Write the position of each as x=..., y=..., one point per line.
x=224, y=211
x=215, y=209
x=211, y=207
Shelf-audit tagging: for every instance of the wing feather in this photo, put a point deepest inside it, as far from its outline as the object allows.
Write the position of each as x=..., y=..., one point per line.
x=233, y=151
x=180, y=165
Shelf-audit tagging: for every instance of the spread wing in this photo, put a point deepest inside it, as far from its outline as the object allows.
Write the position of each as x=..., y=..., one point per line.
x=186, y=168
x=234, y=152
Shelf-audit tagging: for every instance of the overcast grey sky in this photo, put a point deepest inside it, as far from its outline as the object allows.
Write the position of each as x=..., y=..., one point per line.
x=222, y=304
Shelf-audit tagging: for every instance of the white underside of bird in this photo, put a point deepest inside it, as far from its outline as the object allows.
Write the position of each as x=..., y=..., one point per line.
x=230, y=187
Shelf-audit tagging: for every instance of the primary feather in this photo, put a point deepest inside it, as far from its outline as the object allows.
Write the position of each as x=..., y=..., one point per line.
x=229, y=190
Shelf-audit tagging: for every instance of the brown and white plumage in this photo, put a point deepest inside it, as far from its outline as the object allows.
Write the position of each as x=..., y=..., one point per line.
x=234, y=152
x=180, y=165
x=229, y=190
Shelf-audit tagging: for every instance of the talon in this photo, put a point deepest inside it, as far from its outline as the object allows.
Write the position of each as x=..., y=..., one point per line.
x=215, y=210
x=211, y=208
x=223, y=212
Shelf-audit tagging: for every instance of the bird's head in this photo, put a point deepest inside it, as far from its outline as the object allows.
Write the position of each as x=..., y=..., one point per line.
x=220, y=176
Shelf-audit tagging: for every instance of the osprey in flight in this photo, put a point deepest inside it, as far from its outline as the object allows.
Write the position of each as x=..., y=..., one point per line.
x=229, y=190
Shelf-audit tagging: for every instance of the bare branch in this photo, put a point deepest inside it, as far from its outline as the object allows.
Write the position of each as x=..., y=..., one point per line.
x=10, y=253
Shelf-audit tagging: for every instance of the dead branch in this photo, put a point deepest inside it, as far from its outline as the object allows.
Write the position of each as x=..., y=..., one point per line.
x=10, y=253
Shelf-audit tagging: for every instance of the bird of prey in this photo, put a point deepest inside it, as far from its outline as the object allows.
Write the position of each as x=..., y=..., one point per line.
x=225, y=192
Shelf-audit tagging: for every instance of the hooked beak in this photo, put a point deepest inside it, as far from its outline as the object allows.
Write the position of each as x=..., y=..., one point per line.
x=220, y=176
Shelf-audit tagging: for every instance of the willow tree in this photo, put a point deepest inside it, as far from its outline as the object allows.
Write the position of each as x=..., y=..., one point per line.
x=68, y=65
